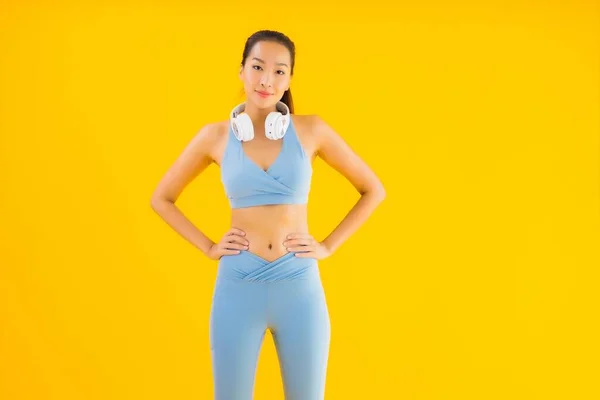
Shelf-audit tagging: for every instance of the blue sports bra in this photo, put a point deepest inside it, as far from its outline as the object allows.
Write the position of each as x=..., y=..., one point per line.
x=286, y=181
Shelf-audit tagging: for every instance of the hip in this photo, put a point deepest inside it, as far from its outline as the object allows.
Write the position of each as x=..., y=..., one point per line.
x=252, y=268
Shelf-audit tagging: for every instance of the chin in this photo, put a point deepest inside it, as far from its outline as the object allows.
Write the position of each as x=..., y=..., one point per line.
x=264, y=103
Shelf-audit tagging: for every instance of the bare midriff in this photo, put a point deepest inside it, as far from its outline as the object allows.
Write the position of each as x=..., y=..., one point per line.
x=267, y=227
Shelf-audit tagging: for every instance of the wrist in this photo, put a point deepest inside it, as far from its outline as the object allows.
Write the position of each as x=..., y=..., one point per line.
x=207, y=247
x=328, y=247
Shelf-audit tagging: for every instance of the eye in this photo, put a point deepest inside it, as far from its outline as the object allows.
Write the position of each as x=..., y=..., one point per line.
x=280, y=72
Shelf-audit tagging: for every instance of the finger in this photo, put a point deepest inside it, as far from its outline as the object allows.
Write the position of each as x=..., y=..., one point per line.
x=235, y=246
x=236, y=231
x=305, y=254
x=301, y=248
x=299, y=242
x=299, y=236
x=237, y=239
x=231, y=252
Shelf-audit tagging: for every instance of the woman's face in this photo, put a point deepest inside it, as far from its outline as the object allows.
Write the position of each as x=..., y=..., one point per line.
x=266, y=73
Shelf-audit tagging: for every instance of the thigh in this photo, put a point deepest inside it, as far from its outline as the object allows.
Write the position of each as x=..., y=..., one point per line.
x=301, y=331
x=237, y=329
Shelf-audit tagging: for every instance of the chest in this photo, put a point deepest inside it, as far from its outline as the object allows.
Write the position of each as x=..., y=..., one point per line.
x=263, y=152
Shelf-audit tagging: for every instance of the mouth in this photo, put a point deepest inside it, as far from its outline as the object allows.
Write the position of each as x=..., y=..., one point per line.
x=263, y=94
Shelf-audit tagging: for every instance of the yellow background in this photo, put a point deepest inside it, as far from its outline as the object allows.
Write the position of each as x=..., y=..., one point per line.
x=477, y=278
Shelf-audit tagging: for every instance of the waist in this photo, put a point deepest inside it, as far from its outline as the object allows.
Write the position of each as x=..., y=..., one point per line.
x=267, y=227
x=257, y=200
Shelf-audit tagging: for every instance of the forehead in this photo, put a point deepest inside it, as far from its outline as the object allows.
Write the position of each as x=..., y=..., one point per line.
x=272, y=52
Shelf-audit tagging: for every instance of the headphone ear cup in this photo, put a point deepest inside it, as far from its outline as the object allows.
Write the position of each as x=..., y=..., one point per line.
x=242, y=127
x=274, y=128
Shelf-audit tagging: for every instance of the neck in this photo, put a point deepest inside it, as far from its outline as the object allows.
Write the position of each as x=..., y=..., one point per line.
x=258, y=115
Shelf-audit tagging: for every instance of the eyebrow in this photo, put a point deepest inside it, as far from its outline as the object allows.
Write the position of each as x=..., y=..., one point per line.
x=258, y=59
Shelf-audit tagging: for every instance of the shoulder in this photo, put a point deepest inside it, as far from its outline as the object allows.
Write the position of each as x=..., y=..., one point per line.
x=214, y=131
x=314, y=122
x=311, y=125
x=328, y=144
x=210, y=139
x=315, y=127
x=307, y=130
x=305, y=120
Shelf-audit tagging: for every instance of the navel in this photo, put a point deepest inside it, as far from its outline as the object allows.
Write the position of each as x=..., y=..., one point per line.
x=270, y=246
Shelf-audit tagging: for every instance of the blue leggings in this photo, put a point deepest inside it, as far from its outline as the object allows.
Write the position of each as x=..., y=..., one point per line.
x=286, y=296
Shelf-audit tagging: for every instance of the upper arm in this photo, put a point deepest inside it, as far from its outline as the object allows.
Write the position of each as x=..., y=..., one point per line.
x=340, y=156
x=192, y=161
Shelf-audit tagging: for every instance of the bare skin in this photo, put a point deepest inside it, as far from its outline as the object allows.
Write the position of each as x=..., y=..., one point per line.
x=265, y=230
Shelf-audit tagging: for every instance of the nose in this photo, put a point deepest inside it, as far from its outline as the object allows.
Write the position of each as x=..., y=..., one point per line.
x=265, y=80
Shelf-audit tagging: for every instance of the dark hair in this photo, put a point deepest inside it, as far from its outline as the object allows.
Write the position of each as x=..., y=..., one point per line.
x=273, y=36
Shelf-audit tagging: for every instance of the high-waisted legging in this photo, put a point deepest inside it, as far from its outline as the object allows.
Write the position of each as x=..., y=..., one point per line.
x=285, y=296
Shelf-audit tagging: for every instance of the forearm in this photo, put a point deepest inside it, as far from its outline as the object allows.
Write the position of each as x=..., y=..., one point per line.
x=173, y=216
x=357, y=216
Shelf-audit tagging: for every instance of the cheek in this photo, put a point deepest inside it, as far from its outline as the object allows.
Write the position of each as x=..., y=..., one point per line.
x=247, y=82
x=249, y=77
x=249, y=85
x=282, y=84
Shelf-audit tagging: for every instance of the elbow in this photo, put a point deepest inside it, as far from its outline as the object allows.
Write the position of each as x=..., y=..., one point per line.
x=380, y=193
x=377, y=192
x=156, y=201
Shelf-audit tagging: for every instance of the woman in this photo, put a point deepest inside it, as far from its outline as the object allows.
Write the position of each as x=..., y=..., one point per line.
x=268, y=276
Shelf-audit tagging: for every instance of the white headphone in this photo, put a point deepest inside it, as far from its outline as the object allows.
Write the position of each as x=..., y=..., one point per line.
x=276, y=123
